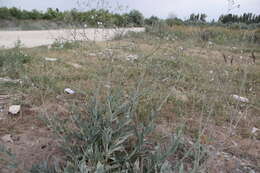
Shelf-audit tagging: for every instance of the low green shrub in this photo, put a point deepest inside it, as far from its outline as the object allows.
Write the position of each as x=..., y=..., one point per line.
x=257, y=36
x=12, y=61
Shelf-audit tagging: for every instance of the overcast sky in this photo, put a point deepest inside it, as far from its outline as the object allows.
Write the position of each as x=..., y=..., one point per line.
x=161, y=8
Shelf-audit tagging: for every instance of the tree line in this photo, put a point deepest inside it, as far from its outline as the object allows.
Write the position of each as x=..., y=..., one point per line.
x=107, y=19
x=248, y=18
x=92, y=17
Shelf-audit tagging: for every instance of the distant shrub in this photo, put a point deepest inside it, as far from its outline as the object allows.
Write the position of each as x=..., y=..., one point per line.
x=175, y=21
x=205, y=35
x=63, y=44
x=153, y=20
x=257, y=36
x=136, y=18
x=11, y=62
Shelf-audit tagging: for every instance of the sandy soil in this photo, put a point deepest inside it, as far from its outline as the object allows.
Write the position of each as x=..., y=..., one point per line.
x=46, y=37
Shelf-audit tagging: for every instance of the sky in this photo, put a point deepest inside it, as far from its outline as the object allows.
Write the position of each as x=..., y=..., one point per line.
x=160, y=8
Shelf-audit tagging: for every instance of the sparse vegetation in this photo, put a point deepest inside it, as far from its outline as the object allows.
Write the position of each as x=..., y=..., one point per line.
x=158, y=101
x=12, y=61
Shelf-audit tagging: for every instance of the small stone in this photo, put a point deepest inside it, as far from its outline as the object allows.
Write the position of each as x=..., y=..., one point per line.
x=77, y=66
x=14, y=109
x=7, y=138
x=50, y=59
x=69, y=91
x=92, y=54
x=254, y=130
x=131, y=57
x=241, y=99
x=210, y=43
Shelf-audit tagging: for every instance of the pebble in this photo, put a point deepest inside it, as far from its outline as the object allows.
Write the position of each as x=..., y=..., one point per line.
x=254, y=130
x=7, y=138
x=50, y=59
x=69, y=91
x=14, y=109
x=131, y=57
x=241, y=99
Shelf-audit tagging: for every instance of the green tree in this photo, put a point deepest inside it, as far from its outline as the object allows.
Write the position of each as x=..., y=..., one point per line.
x=5, y=13
x=152, y=20
x=136, y=18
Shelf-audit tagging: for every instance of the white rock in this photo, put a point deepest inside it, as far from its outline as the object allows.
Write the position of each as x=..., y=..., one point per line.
x=10, y=80
x=241, y=99
x=75, y=65
x=14, y=109
x=254, y=130
x=50, y=59
x=69, y=91
x=107, y=86
x=7, y=138
x=211, y=71
x=92, y=54
x=131, y=57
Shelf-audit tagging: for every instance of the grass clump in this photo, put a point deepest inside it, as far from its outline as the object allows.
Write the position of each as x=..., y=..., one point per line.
x=12, y=62
x=109, y=138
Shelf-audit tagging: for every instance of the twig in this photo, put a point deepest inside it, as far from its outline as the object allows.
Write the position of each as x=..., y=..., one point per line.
x=253, y=56
x=225, y=58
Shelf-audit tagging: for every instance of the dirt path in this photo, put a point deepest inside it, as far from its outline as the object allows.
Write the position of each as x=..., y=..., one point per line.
x=46, y=37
